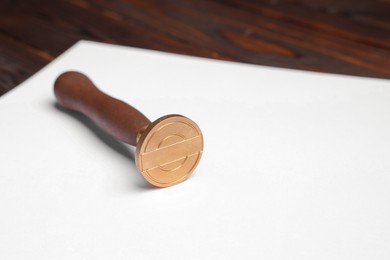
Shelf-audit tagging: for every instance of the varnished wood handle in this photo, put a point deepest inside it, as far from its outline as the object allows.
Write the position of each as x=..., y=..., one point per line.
x=77, y=92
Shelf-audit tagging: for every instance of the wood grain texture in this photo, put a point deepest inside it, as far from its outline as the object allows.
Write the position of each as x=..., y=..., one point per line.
x=346, y=37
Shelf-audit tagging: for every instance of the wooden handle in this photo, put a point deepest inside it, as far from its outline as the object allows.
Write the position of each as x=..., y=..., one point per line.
x=77, y=92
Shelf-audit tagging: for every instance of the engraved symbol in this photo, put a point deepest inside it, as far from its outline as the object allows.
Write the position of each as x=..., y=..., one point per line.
x=177, y=153
x=171, y=151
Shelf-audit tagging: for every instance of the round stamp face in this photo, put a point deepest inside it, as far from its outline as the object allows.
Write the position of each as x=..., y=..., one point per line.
x=169, y=150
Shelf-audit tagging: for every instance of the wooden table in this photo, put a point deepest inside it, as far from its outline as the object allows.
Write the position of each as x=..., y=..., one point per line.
x=347, y=37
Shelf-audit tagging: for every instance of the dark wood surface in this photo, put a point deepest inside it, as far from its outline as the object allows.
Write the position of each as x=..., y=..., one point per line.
x=337, y=36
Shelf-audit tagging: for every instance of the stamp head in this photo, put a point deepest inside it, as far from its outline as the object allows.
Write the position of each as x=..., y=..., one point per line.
x=169, y=150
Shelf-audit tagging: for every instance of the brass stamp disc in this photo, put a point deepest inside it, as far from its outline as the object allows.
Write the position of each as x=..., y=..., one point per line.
x=169, y=150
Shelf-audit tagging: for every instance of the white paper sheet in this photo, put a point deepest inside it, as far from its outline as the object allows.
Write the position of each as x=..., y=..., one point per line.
x=296, y=164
